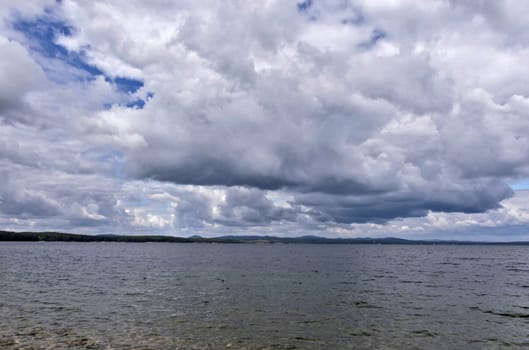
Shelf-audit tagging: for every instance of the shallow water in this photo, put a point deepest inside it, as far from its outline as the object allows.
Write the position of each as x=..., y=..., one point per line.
x=262, y=296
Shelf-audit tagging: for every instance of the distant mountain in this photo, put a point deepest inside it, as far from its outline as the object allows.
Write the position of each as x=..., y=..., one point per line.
x=69, y=237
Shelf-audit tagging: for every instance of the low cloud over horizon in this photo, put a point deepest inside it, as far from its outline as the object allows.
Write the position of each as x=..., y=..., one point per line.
x=335, y=118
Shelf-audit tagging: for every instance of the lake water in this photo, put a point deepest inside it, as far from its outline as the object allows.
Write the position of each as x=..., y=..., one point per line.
x=262, y=296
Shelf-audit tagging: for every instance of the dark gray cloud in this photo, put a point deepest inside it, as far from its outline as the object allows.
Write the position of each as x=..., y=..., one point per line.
x=382, y=208
x=78, y=199
x=16, y=200
x=252, y=207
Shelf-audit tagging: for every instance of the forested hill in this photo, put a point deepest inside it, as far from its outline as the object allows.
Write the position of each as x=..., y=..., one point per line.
x=69, y=237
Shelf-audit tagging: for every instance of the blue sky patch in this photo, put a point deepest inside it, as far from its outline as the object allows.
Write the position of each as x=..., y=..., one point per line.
x=140, y=103
x=41, y=34
x=127, y=85
x=304, y=5
x=136, y=104
x=520, y=185
x=376, y=36
x=43, y=31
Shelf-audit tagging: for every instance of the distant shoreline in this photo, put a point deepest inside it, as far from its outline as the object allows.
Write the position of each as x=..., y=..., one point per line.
x=10, y=236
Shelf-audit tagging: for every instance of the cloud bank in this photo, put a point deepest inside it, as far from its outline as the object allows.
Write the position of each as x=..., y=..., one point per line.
x=280, y=117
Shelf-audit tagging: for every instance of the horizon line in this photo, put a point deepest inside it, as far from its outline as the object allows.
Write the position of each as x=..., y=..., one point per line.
x=57, y=236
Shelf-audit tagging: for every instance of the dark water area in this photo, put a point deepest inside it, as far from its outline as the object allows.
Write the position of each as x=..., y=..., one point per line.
x=262, y=296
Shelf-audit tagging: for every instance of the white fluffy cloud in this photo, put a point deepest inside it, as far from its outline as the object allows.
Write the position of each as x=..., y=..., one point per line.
x=282, y=116
x=19, y=75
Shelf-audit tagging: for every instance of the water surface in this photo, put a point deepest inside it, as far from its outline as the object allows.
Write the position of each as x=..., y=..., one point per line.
x=262, y=296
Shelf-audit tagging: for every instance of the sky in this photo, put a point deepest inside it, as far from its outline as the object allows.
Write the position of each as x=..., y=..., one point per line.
x=337, y=118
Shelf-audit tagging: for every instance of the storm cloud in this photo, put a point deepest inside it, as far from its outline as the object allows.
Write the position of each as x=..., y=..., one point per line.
x=325, y=116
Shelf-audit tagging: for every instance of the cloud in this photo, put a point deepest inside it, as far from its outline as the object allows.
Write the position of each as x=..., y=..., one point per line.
x=19, y=75
x=17, y=201
x=316, y=123
x=306, y=115
x=252, y=207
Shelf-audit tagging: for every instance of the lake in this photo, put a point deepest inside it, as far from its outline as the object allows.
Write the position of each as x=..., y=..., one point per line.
x=262, y=296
